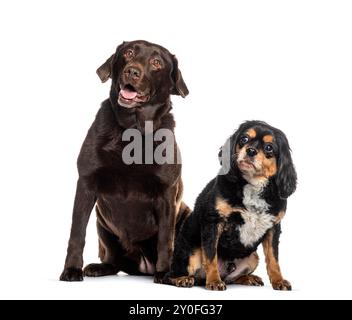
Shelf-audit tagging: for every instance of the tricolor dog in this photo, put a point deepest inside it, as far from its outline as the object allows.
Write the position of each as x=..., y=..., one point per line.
x=236, y=212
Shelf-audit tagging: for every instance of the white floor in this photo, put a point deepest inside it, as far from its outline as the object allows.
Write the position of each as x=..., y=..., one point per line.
x=123, y=287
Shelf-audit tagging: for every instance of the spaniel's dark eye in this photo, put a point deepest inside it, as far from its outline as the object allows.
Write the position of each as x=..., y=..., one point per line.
x=243, y=141
x=129, y=54
x=156, y=63
x=268, y=148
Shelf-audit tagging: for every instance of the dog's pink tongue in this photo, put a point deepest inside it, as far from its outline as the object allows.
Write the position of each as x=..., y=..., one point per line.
x=128, y=94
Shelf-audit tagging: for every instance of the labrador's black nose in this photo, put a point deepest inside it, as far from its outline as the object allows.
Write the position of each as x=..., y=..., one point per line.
x=133, y=73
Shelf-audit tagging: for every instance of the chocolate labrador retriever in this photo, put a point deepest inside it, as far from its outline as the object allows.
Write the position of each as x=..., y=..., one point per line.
x=138, y=205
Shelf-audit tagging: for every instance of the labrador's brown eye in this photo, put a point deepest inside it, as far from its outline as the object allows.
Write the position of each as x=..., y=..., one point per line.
x=129, y=54
x=156, y=63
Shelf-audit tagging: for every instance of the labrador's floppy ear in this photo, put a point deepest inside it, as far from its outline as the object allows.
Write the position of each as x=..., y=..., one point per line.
x=180, y=87
x=104, y=71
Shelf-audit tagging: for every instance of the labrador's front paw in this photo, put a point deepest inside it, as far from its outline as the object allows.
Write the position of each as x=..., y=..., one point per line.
x=72, y=274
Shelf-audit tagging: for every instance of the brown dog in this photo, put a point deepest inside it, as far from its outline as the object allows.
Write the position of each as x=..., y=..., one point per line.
x=138, y=205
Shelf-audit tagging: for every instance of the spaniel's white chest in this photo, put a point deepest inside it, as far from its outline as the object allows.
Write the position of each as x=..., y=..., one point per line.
x=256, y=219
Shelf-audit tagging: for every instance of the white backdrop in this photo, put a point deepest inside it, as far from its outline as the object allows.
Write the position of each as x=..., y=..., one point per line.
x=286, y=62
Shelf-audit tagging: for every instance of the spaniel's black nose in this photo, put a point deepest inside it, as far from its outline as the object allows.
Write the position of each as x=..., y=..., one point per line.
x=251, y=152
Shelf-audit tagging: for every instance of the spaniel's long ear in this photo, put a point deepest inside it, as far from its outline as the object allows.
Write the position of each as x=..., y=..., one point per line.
x=105, y=70
x=226, y=154
x=286, y=177
x=180, y=87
